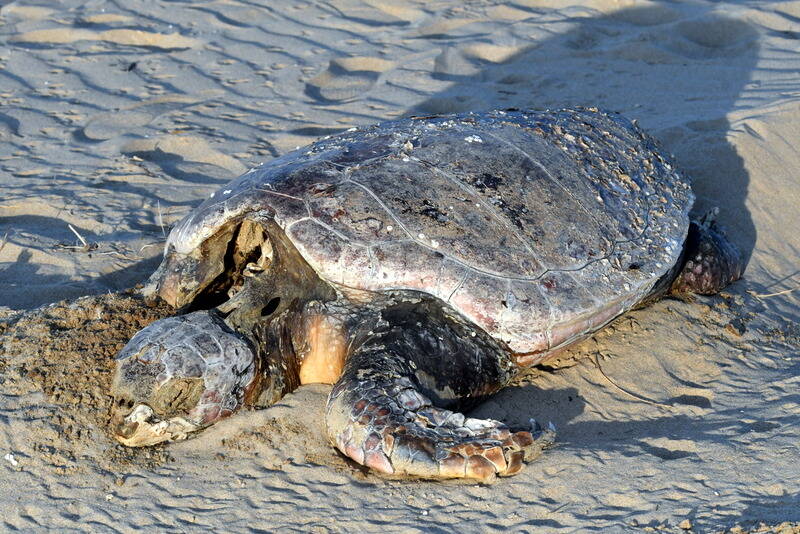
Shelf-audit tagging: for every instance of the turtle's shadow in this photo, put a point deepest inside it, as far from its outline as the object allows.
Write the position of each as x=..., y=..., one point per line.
x=772, y=509
x=516, y=406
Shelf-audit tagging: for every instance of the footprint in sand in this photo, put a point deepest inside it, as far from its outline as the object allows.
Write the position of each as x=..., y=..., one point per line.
x=8, y=125
x=716, y=31
x=454, y=63
x=714, y=36
x=669, y=449
x=664, y=38
x=464, y=63
x=109, y=125
x=347, y=78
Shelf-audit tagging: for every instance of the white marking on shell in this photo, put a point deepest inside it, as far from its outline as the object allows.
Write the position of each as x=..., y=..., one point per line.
x=473, y=139
x=226, y=192
x=389, y=228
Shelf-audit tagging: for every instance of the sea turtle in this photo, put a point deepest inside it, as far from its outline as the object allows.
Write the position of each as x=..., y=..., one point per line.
x=418, y=265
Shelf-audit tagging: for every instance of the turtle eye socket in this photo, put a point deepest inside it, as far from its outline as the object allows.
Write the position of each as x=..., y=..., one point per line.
x=271, y=307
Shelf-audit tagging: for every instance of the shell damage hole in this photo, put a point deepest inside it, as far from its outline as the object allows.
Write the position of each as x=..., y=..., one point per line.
x=271, y=306
x=249, y=252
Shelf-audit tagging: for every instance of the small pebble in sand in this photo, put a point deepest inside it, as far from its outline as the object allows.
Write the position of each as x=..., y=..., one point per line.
x=11, y=459
x=685, y=524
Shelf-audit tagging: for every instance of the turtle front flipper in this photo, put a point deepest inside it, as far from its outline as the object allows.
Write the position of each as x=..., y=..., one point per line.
x=381, y=412
x=179, y=375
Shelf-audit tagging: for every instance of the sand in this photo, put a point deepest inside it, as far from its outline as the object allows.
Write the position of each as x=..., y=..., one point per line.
x=116, y=118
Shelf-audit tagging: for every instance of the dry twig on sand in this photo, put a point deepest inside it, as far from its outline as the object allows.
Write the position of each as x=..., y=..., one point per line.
x=86, y=247
x=160, y=220
x=636, y=396
x=768, y=295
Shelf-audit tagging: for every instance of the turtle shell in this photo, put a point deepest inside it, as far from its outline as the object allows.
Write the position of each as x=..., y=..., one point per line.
x=539, y=227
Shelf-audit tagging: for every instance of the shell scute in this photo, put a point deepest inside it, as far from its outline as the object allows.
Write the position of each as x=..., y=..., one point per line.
x=481, y=297
x=316, y=242
x=439, y=214
x=355, y=212
x=526, y=317
x=511, y=172
x=404, y=265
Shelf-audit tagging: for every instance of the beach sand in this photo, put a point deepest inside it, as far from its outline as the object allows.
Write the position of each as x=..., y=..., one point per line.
x=116, y=118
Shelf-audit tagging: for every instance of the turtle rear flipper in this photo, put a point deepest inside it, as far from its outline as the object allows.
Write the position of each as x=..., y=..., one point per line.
x=712, y=261
x=380, y=415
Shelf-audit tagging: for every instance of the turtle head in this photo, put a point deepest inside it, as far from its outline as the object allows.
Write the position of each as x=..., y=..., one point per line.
x=244, y=289
x=178, y=375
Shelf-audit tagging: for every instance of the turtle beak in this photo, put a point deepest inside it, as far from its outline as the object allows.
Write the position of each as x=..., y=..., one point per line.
x=142, y=428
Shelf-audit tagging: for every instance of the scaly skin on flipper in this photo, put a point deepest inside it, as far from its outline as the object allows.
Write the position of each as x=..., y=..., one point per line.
x=712, y=260
x=379, y=419
x=381, y=413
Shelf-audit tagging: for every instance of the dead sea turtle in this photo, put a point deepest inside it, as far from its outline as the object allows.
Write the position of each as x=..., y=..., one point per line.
x=418, y=265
